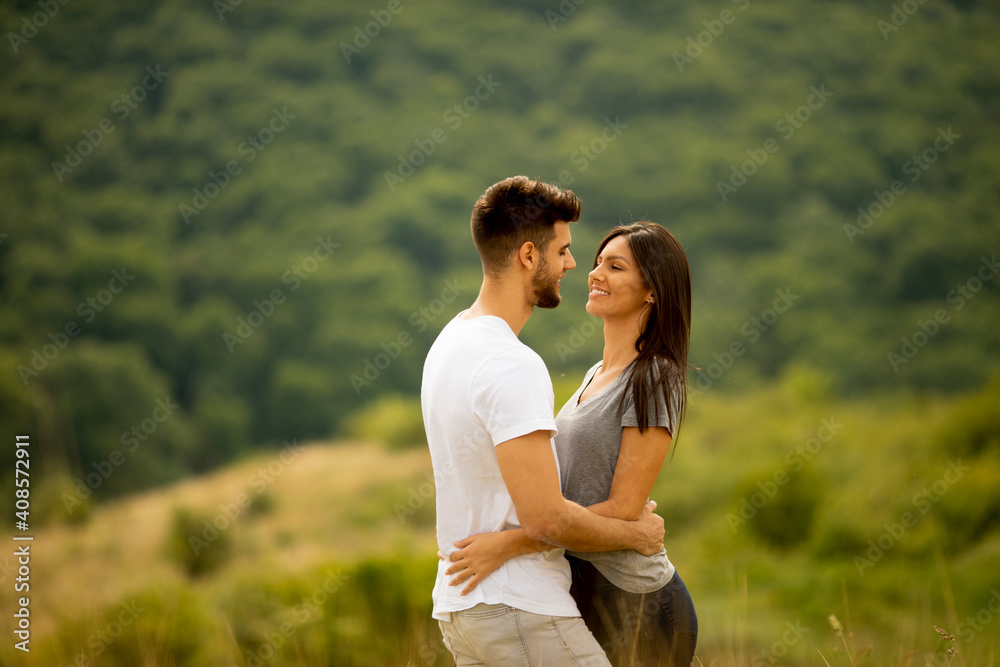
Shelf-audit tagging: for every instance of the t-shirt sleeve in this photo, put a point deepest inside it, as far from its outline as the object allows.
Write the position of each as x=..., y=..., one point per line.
x=512, y=395
x=656, y=409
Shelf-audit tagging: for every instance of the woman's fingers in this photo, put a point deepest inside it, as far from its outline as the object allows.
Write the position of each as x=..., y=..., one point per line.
x=472, y=584
x=460, y=570
x=461, y=577
x=457, y=567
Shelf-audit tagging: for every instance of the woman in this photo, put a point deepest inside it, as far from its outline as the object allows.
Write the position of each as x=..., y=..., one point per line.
x=614, y=434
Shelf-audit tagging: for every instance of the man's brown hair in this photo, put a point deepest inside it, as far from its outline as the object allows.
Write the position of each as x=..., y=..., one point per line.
x=517, y=210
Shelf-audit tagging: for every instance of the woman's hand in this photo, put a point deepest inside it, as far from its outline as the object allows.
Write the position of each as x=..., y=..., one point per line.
x=481, y=555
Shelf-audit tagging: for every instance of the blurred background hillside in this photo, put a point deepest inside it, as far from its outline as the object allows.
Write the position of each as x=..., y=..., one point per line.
x=229, y=228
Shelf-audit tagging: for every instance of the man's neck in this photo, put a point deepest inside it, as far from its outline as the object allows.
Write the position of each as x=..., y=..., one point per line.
x=503, y=299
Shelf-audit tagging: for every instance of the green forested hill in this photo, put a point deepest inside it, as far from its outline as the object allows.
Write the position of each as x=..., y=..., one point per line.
x=241, y=222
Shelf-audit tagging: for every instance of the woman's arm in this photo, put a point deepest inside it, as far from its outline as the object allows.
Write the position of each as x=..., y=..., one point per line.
x=639, y=461
x=480, y=555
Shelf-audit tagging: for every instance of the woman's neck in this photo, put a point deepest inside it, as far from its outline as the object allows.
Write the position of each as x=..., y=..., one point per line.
x=619, y=344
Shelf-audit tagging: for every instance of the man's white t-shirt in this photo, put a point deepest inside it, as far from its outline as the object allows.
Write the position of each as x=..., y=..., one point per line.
x=482, y=387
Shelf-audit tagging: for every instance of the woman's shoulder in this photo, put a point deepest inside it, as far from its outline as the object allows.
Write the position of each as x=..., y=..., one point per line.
x=662, y=379
x=658, y=369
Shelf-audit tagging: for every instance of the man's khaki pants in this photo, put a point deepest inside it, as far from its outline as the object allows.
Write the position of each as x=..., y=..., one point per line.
x=500, y=636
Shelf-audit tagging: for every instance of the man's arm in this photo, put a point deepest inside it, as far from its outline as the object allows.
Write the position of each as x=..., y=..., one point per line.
x=529, y=470
x=478, y=556
x=639, y=461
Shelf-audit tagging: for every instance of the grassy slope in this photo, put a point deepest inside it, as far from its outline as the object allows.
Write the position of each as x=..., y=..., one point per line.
x=316, y=518
x=336, y=503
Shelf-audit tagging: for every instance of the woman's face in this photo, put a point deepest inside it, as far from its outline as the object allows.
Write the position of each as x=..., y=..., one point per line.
x=616, y=285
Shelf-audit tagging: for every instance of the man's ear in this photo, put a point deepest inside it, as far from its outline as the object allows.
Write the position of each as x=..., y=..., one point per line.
x=527, y=255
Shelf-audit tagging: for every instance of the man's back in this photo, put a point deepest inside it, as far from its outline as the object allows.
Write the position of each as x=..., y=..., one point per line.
x=481, y=387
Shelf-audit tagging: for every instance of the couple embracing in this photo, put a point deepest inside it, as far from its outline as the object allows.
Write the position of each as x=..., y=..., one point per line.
x=550, y=551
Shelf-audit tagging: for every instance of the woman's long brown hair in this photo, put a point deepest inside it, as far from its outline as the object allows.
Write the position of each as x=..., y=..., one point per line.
x=662, y=346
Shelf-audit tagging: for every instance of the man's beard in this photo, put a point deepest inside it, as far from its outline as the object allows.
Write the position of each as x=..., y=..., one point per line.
x=544, y=287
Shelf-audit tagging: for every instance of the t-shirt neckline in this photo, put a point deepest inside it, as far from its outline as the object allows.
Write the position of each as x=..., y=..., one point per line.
x=501, y=320
x=600, y=364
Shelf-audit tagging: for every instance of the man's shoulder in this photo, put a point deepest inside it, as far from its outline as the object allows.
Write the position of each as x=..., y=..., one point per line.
x=493, y=339
x=480, y=346
x=514, y=355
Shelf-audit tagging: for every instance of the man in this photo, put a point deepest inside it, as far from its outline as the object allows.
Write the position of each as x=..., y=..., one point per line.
x=487, y=404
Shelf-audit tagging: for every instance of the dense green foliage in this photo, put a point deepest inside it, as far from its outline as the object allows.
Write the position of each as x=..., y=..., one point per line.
x=174, y=174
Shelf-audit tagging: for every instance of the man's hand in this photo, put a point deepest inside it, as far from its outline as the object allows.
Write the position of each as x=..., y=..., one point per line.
x=649, y=535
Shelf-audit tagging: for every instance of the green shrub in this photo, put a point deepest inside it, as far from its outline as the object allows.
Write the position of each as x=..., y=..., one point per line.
x=392, y=420
x=153, y=627
x=196, y=544
x=331, y=615
x=786, y=519
x=261, y=504
x=973, y=427
x=54, y=498
x=401, y=502
x=970, y=508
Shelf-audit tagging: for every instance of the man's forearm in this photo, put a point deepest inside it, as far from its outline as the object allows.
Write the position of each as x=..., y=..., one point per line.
x=575, y=527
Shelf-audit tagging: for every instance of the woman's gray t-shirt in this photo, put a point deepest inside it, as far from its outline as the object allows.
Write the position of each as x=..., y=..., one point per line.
x=587, y=443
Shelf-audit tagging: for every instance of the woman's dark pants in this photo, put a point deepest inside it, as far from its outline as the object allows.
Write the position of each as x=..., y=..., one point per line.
x=640, y=629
